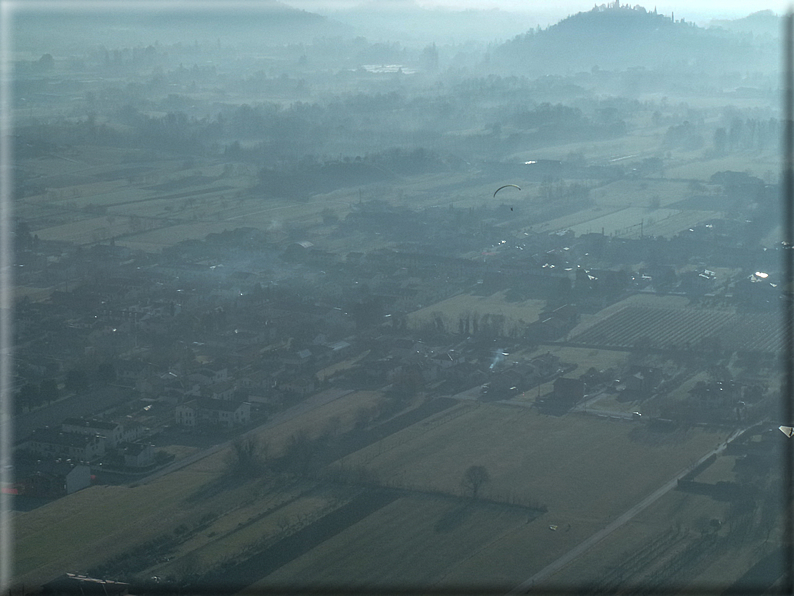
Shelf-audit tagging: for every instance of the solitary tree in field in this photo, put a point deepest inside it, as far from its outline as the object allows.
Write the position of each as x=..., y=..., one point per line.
x=473, y=478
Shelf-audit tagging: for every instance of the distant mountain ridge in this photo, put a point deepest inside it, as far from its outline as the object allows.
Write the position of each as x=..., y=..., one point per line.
x=269, y=20
x=410, y=24
x=617, y=37
x=763, y=22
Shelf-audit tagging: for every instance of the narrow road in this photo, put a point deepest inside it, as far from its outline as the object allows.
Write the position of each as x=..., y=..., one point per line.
x=581, y=548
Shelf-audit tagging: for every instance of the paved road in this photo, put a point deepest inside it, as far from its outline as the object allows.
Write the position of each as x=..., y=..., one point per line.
x=469, y=394
x=590, y=542
x=315, y=401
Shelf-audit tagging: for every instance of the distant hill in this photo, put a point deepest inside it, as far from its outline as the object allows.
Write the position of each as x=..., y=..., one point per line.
x=619, y=37
x=761, y=23
x=267, y=22
x=407, y=22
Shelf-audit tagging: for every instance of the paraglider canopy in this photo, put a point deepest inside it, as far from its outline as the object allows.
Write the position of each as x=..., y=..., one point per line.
x=505, y=186
x=787, y=430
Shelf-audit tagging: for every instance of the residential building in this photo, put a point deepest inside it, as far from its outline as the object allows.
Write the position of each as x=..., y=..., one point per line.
x=54, y=443
x=213, y=412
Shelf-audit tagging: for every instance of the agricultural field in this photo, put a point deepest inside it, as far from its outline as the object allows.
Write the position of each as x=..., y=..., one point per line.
x=584, y=358
x=632, y=222
x=667, y=328
x=452, y=309
x=264, y=516
x=516, y=446
x=630, y=208
x=85, y=528
x=417, y=540
x=153, y=204
x=613, y=403
x=594, y=451
x=671, y=327
x=631, y=552
x=444, y=536
x=646, y=192
x=673, y=322
x=88, y=526
x=765, y=166
x=643, y=141
x=662, y=545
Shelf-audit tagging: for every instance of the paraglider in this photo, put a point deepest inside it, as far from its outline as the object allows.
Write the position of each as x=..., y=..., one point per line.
x=505, y=186
x=787, y=430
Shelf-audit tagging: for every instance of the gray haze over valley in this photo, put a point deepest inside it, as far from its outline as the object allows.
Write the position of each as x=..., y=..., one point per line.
x=348, y=296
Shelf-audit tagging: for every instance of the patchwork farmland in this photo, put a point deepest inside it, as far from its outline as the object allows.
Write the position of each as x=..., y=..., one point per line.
x=684, y=329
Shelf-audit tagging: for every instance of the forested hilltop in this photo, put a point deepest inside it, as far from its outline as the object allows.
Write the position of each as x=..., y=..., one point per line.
x=618, y=37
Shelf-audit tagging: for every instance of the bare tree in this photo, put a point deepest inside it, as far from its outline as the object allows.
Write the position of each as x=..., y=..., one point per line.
x=473, y=479
x=248, y=456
